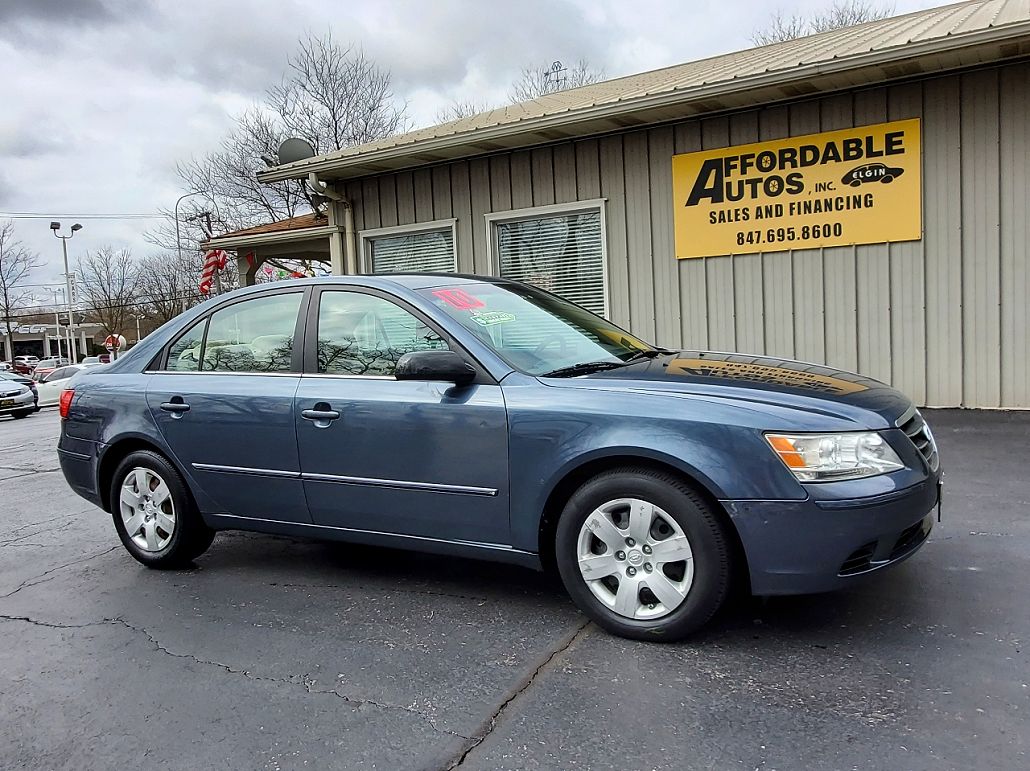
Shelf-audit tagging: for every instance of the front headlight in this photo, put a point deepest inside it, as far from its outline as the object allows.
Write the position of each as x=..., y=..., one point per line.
x=833, y=457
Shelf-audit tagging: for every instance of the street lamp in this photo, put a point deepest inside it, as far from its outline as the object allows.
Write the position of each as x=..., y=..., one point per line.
x=137, y=327
x=178, y=243
x=56, y=227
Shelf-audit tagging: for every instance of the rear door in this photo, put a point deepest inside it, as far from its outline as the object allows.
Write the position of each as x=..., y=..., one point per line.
x=426, y=459
x=224, y=403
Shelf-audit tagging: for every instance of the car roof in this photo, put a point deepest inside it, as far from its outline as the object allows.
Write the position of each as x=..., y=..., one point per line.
x=409, y=280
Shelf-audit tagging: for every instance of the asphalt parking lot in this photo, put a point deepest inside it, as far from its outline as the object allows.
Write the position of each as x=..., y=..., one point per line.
x=278, y=653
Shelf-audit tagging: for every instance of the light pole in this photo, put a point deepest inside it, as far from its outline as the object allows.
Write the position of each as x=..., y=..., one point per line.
x=137, y=328
x=57, y=324
x=56, y=227
x=178, y=243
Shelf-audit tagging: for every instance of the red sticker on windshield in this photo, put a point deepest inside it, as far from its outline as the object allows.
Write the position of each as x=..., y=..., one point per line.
x=459, y=299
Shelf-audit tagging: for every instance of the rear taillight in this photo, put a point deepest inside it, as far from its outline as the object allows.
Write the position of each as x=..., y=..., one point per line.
x=66, y=401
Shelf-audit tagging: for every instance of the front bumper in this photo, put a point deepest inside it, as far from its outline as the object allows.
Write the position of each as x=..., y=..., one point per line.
x=808, y=546
x=18, y=403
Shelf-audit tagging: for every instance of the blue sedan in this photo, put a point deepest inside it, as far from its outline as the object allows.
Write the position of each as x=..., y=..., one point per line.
x=486, y=418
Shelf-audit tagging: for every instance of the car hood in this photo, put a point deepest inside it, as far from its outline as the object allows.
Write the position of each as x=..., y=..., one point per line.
x=756, y=380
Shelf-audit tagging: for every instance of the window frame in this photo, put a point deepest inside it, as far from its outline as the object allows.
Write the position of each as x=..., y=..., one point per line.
x=543, y=212
x=483, y=377
x=366, y=237
x=160, y=363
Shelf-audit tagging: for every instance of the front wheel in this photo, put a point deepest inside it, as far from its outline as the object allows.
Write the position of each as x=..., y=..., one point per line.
x=154, y=513
x=643, y=554
x=21, y=414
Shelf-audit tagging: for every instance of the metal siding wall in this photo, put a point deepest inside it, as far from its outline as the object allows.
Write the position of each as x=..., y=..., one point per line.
x=839, y=263
x=613, y=188
x=663, y=252
x=479, y=177
x=638, y=235
x=405, y=198
x=907, y=280
x=1015, y=237
x=944, y=319
x=942, y=240
x=461, y=203
x=981, y=289
x=872, y=272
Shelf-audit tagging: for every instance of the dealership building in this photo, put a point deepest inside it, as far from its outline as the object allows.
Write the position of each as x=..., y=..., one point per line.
x=857, y=198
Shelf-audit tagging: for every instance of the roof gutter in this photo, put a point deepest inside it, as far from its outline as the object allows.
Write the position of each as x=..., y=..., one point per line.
x=652, y=101
x=282, y=236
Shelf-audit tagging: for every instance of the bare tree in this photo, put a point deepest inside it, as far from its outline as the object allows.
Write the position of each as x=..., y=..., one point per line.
x=16, y=263
x=168, y=285
x=332, y=95
x=461, y=108
x=840, y=14
x=108, y=285
x=547, y=79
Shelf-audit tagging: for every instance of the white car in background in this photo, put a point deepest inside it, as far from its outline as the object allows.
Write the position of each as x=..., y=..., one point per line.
x=50, y=388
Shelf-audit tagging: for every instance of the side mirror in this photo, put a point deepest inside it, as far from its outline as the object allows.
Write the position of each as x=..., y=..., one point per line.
x=434, y=365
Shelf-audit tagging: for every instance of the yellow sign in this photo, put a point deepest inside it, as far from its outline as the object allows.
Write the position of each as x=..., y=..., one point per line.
x=855, y=186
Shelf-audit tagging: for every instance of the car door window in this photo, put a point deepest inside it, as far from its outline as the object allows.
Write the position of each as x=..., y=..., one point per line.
x=252, y=336
x=361, y=334
x=184, y=354
x=58, y=374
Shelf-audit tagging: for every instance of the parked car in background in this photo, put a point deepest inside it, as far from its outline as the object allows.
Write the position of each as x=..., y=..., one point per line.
x=6, y=367
x=25, y=364
x=16, y=399
x=52, y=385
x=45, y=366
x=92, y=360
x=25, y=380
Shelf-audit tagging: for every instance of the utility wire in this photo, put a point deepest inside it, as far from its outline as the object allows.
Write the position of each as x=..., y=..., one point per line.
x=28, y=215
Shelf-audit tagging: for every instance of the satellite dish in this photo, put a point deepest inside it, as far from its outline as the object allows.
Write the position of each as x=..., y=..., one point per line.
x=295, y=150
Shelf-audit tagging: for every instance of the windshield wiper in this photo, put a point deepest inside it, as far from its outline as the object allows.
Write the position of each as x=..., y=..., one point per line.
x=583, y=368
x=647, y=353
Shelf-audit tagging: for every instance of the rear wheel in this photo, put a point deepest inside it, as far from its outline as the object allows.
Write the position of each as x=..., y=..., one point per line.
x=643, y=554
x=21, y=414
x=154, y=514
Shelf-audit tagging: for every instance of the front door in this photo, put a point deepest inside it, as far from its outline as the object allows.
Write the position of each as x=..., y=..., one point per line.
x=426, y=459
x=224, y=404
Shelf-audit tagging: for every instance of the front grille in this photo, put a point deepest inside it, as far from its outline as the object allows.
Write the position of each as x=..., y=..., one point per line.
x=915, y=428
x=7, y=394
x=858, y=560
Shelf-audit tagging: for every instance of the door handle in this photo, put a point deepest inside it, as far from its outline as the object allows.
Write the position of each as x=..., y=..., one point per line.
x=320, y=414
x=175, y=407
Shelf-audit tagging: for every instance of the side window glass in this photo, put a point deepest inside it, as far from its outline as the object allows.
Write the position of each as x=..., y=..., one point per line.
x=184, y=355
x=253, y=335
x=360, y=334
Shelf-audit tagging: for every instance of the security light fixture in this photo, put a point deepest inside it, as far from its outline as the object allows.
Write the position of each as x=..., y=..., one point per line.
x=55, y=226
x=75, y=227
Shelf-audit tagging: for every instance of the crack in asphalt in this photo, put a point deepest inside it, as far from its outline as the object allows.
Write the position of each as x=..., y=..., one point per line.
x=520, y=688
x=41, y=578
x=306, y=680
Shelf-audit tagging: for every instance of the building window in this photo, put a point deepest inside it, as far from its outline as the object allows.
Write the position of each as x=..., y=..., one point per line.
x=423, y=248
x=557, y=248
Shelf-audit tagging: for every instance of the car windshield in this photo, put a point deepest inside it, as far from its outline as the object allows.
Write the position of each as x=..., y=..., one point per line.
x=535, y=331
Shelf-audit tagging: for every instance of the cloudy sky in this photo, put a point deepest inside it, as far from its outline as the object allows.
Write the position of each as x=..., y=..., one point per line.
x=102, y=97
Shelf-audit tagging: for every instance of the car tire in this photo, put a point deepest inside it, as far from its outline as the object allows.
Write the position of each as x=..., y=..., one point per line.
x=21, y=414
x=154, y=512
x=681, y=522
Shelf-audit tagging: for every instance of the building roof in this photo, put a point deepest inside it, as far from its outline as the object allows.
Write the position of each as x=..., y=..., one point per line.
x=299, y=228
x=935, y=40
